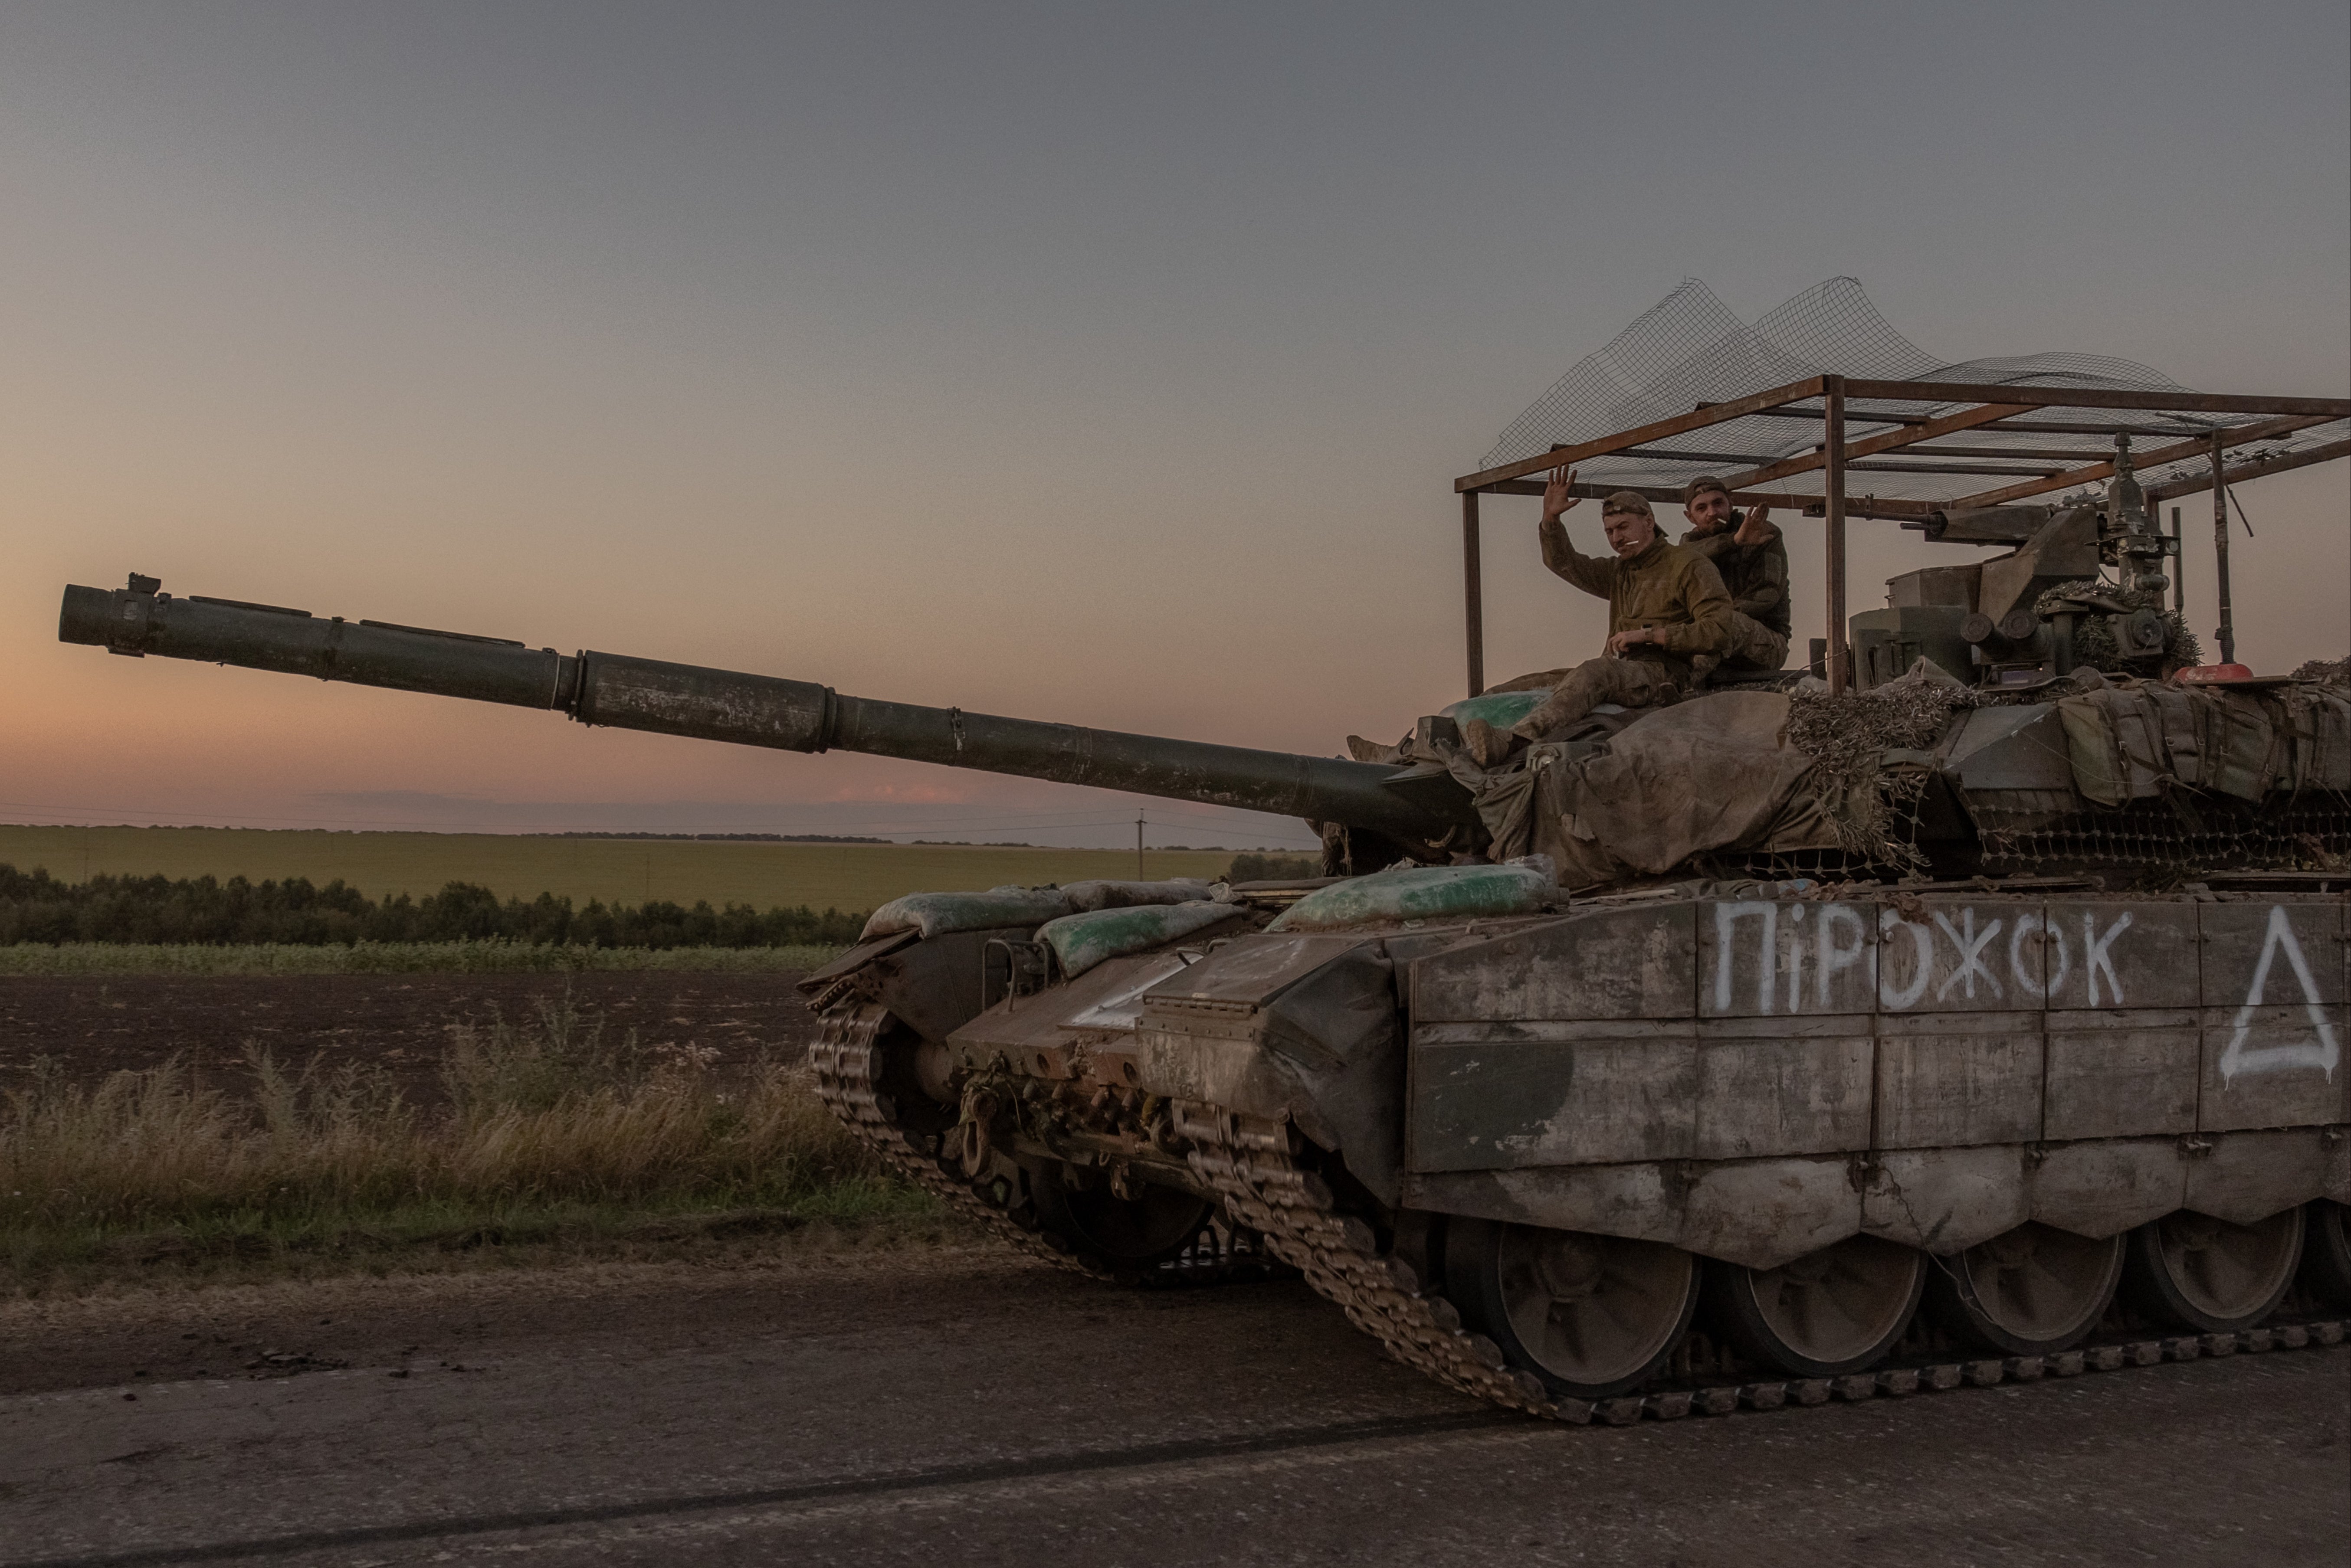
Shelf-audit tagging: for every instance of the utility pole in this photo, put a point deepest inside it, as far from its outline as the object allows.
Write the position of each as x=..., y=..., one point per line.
x=1138, y=846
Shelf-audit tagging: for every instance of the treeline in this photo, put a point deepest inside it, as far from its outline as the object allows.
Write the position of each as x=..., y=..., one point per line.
x=37, y=908
x=1274, y=867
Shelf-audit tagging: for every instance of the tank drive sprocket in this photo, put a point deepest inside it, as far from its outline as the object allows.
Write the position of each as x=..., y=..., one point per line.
x=1252, y=1164
x=849, y=1059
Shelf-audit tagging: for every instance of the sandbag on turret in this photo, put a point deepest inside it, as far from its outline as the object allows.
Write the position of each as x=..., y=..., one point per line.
x=1428, y=893
x=1109, y=894
x=1081, y=941
x=939, y=914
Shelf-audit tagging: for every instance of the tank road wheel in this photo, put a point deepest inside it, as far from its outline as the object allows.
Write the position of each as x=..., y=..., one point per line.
x=2033, y=1290
x=2326, y=1253
x=1127, y=1237
x=2196, y=1272
x=1593, y=1316
x=1829, y=1312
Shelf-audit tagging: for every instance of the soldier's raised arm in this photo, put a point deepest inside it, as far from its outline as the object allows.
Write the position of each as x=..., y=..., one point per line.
x=1559, y=552
x=1766, y=580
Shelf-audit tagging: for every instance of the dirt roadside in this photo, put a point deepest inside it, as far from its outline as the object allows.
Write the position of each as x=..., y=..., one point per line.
x=442, y=1321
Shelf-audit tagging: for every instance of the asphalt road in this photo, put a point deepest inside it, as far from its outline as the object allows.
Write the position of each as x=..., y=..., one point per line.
x=953, y=1409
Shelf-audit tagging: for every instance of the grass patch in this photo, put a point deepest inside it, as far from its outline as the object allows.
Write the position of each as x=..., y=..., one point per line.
x=558, y=1138
x=394, y=958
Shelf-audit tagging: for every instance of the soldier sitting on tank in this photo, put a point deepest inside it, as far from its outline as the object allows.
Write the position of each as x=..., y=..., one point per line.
x=1667, y=606
x=1753, y=561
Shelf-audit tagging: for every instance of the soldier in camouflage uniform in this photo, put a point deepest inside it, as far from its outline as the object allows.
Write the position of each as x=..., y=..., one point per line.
x=1753, y=561
x=1667, y=610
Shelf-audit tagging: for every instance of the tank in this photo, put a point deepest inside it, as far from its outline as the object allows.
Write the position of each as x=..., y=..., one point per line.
x=1986, y=1023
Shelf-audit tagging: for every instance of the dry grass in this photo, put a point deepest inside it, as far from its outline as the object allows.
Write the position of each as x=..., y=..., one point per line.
x=553, y=1129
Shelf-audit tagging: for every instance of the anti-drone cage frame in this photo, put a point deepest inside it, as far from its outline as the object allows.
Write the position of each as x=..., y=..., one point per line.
x=1837, y=400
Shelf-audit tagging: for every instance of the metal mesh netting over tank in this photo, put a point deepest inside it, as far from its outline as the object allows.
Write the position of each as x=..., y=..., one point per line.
x=1690, y=348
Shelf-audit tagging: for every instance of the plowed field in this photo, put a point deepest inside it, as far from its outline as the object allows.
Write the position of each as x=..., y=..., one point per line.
x=96, y=1025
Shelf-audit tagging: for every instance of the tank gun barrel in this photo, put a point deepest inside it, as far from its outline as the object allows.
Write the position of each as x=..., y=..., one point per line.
x=627, y=693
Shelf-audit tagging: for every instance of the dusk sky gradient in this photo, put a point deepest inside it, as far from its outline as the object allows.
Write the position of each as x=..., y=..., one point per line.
x=1105, y=363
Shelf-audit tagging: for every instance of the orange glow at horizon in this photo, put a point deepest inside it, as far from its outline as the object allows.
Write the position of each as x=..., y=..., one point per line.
x=1113, y=373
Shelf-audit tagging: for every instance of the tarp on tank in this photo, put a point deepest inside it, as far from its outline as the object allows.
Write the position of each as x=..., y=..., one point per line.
x=1081, y=941
x=1711, y=773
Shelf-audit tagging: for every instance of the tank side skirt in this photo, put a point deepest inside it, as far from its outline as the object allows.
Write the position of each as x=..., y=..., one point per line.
x=1628, y=1090
x=1251, y=1165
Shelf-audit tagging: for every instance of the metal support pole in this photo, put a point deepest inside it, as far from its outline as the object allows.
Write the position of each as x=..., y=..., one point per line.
x=1473, y=593
x=2179, y=568
x=1832, y=492
x=1138, y=846
x=2227, y=633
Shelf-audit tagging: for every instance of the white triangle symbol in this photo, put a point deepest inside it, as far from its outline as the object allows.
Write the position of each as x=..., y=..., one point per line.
x=2323, y=1053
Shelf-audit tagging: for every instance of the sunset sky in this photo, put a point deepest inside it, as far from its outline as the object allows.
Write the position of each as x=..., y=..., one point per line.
x=1092, y=363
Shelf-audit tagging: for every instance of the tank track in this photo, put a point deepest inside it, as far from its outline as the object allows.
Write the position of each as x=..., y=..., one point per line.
x=1248, y=1162
x=1251, y=1162
x=847, y=1057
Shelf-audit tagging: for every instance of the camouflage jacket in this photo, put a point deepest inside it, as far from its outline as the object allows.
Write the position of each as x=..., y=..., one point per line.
x=1675, y=590
x=1757, y=578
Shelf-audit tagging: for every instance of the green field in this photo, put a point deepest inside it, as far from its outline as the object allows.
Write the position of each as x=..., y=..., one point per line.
x=617, y=871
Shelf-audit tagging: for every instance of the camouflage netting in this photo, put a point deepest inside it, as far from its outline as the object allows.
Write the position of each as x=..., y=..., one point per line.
x=2095, y=645
x=2094, y=642
x=1849, y=735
